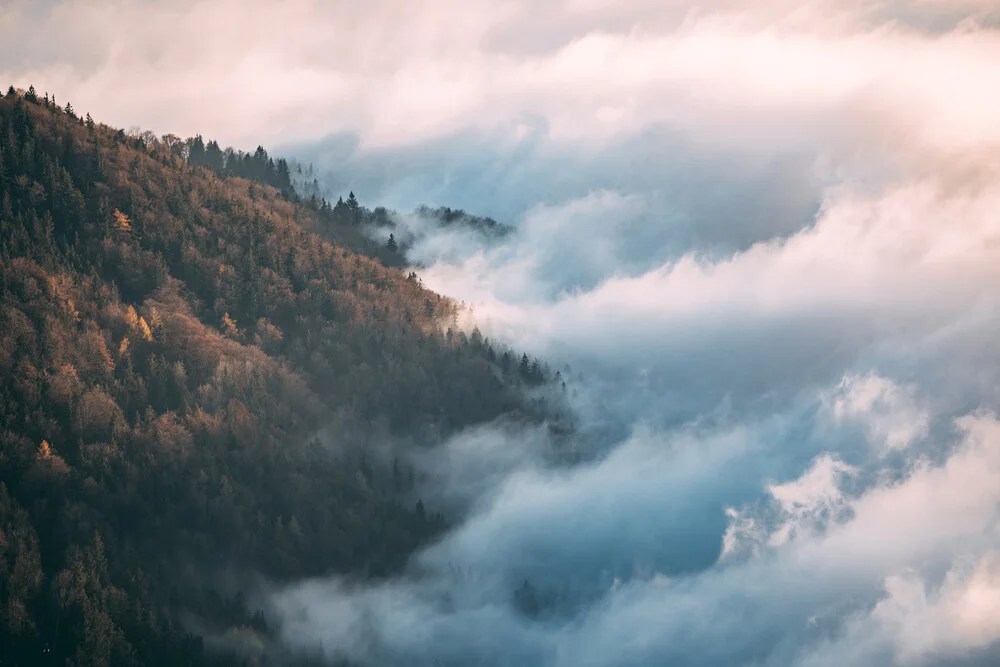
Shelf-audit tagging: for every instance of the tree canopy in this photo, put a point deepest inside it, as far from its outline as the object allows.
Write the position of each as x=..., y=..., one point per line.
x=197, y=365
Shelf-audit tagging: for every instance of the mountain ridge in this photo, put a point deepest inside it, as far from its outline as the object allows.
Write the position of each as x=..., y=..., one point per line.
x=172, y=341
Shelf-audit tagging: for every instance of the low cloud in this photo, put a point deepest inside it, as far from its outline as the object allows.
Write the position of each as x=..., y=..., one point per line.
x=849, y=566
x=775, y=291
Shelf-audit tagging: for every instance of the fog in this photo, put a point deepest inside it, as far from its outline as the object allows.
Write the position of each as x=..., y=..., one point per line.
x=777, y=285
x=763, y=236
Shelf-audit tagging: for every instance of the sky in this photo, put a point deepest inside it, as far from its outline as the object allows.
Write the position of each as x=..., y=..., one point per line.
x=762, y=236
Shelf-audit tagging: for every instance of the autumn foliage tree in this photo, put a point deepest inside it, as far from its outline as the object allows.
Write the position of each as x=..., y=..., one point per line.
x=174, y=333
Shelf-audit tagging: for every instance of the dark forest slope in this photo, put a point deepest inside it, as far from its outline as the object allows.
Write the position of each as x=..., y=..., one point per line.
x=170, y=341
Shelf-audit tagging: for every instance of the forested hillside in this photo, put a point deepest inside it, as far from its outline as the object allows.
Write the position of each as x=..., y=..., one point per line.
x=172, y=338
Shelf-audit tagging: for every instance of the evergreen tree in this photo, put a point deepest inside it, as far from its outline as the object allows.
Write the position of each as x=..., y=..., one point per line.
x=353, y=207
x=284, y=176
x=213, y=157
x=196, y=151
x=505, y=362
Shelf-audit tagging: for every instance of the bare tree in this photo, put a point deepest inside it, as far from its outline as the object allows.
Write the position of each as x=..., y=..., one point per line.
x=150, y=139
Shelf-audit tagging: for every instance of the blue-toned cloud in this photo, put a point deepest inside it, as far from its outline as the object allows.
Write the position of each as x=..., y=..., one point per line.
x=905, y=565
x=777, y=287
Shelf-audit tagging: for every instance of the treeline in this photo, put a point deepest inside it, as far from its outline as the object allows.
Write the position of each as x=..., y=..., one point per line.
x=334, y=218
x=172, y=338
x=257, y=166
x=450, y=217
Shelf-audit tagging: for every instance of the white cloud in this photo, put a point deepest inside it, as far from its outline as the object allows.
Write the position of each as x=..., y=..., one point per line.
x=799, y=508
x=959, y=616
x=810, y=498
x=889, y=412
x=398, y=73
x=854, y=593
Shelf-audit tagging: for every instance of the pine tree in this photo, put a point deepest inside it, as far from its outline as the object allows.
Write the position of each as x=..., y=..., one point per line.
x=213, y=156
x=285, y=177
x=391, y=243
x=353, y=206
x=196, y=151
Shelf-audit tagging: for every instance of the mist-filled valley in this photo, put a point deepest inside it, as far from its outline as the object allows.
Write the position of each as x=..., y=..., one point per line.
x=559, y=334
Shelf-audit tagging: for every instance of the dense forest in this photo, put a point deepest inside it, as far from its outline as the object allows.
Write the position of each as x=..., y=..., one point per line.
x=196, y=361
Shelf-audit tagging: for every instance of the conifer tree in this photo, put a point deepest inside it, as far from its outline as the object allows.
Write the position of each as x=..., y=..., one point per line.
x=353, y=206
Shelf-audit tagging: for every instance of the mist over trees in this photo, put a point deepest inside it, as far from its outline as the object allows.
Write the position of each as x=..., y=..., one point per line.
x=198, y=362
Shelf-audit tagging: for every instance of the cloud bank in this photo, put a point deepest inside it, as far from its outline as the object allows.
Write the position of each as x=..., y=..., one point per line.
x=764, y=238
